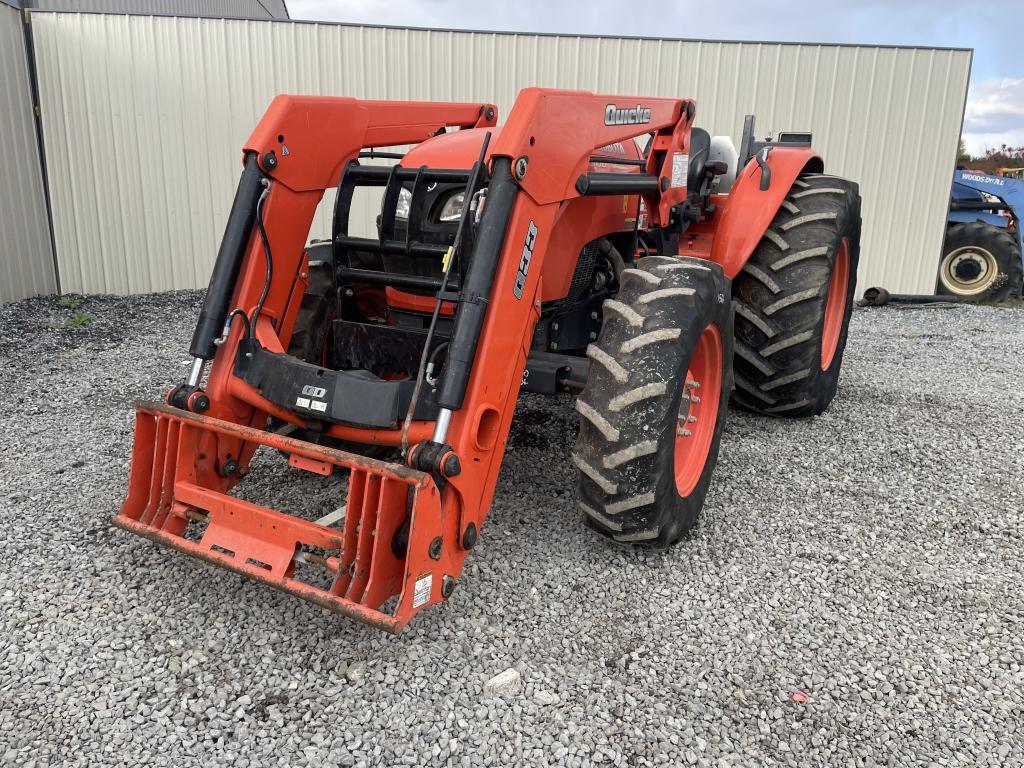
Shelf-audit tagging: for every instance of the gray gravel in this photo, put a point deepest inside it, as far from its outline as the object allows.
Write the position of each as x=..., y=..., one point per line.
x=854, y=595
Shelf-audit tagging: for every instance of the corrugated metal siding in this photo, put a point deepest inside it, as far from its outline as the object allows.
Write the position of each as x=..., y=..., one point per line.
x=26, y=257
x=237, y=9
x=145, y=117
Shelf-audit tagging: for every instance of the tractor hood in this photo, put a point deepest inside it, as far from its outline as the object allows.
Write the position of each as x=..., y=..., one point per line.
x=457, y=149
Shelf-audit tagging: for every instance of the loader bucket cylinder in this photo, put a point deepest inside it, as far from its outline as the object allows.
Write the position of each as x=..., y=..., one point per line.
x=229, y=260
x=501, y=195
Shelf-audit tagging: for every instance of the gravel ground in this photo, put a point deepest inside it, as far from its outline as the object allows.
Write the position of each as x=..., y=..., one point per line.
x=854, y=595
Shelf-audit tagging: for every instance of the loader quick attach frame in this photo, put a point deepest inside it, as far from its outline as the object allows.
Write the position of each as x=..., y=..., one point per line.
x=407, y=529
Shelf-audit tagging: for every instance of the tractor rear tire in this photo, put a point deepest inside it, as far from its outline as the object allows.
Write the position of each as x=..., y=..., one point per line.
x=652, y=411
x=979, y=262
x=794, y=298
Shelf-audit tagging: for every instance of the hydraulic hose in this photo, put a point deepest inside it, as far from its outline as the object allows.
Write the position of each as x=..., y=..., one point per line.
x=267, y=255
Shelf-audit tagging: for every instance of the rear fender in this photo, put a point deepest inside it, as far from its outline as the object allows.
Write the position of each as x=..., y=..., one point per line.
x=749, y=210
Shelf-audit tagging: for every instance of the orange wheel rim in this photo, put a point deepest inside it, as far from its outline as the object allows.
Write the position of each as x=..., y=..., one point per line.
x=835, y=305
x=698, y=410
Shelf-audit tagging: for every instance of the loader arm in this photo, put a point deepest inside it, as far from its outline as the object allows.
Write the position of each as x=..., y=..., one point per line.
x=406, y=530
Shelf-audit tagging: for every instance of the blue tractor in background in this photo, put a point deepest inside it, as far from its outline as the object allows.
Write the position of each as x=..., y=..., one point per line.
x=982, y=254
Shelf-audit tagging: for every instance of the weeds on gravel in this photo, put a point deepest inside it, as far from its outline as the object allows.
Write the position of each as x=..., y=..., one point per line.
x=77, y=320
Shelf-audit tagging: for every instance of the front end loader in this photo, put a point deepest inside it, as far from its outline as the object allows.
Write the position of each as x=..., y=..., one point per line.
x=600, y=245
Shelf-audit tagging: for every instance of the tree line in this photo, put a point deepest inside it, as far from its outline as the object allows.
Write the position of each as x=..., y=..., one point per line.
x=991, y=160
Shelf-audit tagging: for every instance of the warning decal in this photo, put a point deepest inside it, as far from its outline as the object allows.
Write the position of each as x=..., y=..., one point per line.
x=421, y=593
x=680, y=165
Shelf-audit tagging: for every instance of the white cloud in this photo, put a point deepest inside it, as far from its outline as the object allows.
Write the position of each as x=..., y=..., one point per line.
x=994, y=114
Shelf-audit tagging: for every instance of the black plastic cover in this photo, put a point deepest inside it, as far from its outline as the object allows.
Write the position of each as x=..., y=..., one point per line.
x=355, y=397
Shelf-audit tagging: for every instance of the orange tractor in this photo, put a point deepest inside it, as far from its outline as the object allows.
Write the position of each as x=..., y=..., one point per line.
x=601, y=245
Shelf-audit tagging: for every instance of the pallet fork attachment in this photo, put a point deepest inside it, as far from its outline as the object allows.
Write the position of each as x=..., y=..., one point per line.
x=387, y=547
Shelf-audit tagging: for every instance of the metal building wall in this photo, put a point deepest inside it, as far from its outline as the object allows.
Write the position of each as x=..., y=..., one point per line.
x=145, y=117
x=26, y=256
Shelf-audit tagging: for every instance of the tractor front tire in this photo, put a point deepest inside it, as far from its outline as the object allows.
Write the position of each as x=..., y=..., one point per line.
x=794, y=298
x=316, y=313
x=652, y=412
x=979, y=263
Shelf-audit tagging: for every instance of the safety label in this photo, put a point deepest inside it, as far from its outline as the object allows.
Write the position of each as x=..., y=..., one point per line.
x=421, y=592
x=680, y=165
x=313, y=405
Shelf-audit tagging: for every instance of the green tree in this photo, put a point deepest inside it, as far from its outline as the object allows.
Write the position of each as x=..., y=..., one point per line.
x=963, y=157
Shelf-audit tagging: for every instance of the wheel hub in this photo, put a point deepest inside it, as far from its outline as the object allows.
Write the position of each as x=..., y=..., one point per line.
x=968, y=271
x=835, y=304
x=698, y=410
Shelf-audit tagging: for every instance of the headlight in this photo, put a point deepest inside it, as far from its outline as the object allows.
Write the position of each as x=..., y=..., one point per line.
x=404, y=203
x=452, y=208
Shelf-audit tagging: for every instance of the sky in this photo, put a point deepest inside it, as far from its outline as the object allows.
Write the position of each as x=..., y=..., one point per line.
x=995, y=103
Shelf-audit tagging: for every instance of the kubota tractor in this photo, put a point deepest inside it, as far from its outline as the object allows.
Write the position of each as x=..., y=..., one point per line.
x=601, y=245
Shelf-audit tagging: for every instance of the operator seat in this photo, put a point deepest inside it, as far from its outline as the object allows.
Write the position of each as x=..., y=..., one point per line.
x=722, y=150
x=700, y=145
x=712, y=166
